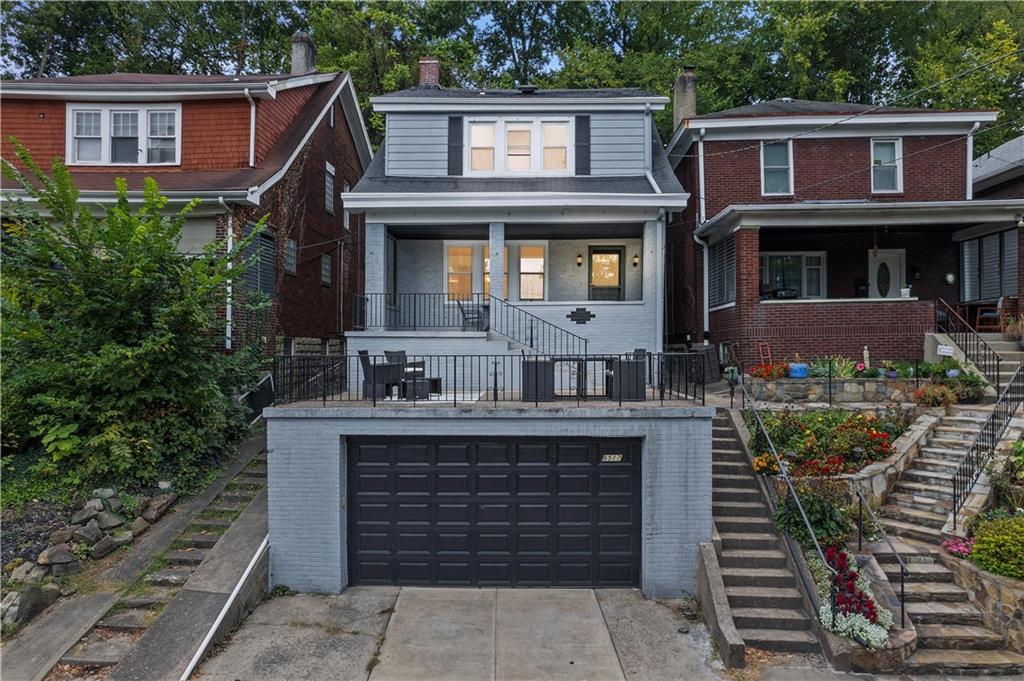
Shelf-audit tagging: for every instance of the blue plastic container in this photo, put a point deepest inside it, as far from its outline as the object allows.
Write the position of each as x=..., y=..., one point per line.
x=798, y=370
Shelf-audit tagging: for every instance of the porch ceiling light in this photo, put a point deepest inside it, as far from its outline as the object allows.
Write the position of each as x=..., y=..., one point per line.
x=950, y=278
x=636, y=260
x=579, y=260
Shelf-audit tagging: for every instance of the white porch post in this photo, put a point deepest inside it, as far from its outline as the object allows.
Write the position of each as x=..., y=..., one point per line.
x=654, y=278
x=375, y=269
x=497, y=256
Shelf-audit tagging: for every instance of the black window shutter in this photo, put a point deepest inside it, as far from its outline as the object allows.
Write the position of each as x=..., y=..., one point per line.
x=583, y=145
x=455, y=145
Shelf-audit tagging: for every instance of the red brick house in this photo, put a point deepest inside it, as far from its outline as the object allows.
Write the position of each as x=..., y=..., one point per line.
x=999, y=173
x=287, y=146
x=818, y=228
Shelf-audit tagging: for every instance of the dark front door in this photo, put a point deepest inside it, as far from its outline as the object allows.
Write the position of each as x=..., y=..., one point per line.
x=494, y=512
x=606, y=275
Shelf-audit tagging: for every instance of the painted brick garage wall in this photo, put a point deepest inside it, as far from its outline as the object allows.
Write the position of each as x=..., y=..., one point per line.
x=307, y=480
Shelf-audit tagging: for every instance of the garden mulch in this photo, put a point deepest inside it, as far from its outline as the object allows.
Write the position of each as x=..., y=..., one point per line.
x=27, y=532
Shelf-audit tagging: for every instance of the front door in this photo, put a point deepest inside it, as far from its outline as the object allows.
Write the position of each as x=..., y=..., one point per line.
x=606, y=273
x=886, y=272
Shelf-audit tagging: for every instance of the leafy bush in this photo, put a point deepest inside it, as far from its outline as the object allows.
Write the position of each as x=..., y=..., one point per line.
x=999, y=546
x=824, y=502
x=110, y=366
x=934, y=396
x=858, y=616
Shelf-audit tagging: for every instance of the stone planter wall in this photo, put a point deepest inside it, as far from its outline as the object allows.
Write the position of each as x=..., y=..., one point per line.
x=1001, y=599
x=875, y=479
x=844, y=390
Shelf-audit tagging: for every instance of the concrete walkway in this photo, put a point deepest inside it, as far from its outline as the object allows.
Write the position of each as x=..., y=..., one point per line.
x=498, y=634
x=36, y=649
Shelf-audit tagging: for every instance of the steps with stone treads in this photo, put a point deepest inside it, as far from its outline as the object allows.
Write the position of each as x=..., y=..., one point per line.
x=767, y=608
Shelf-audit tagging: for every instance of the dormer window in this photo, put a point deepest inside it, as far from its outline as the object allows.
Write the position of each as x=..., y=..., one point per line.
x=99, y=134
x=519, y=146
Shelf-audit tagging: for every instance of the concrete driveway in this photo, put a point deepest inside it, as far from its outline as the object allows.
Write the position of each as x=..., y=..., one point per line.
x=413, y=634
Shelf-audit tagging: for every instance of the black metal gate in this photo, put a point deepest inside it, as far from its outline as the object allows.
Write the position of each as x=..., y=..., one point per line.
x=494, y=512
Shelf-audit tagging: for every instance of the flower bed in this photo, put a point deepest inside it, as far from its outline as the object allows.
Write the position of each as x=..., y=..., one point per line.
x=827, y=442
x=858, y=616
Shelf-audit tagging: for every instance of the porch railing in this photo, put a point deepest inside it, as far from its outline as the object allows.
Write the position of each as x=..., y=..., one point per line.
x=563, y=380
x=530, y=330
x=984, y=446
x=974, y=347
x=477, y=312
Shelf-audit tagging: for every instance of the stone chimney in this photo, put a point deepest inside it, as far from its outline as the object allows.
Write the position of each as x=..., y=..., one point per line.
x=303, y=54
x=430, y=72
x=684, y=96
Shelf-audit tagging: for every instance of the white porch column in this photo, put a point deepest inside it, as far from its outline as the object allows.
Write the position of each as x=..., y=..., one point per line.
x=654, y=279
x=497, y=256
x=376, y=260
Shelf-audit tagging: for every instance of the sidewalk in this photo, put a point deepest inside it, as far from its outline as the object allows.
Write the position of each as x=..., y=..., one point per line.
x=39, y=646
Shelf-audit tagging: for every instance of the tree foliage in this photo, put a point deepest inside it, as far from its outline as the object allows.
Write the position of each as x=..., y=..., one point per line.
x=109, y=367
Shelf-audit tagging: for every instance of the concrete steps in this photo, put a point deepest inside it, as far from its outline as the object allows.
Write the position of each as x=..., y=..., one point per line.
x=957, y=637
x=938, y=612
x=132, y=619
x=766, y=606
x=914, y=515
x=985, y=662
x=911, y=530
x=98, y=653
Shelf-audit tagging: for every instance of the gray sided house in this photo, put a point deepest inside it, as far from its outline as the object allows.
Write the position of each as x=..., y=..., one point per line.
x=505, y=415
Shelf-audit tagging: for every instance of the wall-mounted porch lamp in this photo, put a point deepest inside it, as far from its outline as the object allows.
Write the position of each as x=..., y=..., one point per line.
x=579, y=260
x=636, y=260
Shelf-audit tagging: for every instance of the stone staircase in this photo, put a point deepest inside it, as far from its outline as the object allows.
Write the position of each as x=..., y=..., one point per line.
x=1009, y=352
x=952, y=637
x=767, y=607
x=110, y=640
x=922, y=498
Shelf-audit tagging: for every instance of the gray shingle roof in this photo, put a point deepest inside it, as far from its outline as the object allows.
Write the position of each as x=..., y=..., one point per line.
x=1006, y=157
x=376, y=182
x=483, y=93
x=802, y=107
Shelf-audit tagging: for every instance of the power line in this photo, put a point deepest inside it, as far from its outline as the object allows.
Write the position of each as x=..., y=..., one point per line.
x=866, y=111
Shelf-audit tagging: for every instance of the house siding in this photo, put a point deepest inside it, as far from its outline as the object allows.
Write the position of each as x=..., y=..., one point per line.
x=273, y=116
x=617, y=143
x=417, y=144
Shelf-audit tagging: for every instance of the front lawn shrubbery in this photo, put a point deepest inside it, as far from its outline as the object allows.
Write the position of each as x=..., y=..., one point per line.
x=999, y=546
x=111, y=369
x=829, y=441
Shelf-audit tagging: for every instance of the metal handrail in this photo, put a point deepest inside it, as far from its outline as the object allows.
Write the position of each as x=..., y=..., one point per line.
x=904, y=573
x=536, y=333
x=983, y=446
x=980, y=353
x=748, y=402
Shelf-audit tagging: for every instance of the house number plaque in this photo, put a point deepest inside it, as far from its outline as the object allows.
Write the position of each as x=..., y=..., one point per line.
x=612, y=458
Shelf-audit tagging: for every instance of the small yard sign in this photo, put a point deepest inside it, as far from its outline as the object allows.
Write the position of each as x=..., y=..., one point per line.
x=945, y=351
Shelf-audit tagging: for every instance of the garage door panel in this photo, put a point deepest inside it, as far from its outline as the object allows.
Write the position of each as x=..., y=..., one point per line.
x=502, y=512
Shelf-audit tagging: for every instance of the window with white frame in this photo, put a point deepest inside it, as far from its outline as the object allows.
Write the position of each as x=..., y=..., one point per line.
x=291, y=256
x=344, y=211
x=487, y=273
x=460, y=272
x=115, y=134
x=887, y=165
x=326, y=269
x=776, y=168
x=531, y=272
x=526, y=146
x=329, y=189
x=800, y=275
x=722, y=272
x=330, y=116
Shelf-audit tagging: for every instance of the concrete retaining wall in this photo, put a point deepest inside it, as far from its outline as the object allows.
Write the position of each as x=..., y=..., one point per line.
x=308, y=486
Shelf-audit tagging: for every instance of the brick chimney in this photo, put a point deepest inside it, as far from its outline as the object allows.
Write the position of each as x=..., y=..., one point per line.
x=684, y=96
x=430, y=72
x=303, y=54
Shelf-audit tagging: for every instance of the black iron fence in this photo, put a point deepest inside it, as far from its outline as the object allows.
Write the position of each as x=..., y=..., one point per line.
x=984, y=445
x=568, y=379
x=974, y=347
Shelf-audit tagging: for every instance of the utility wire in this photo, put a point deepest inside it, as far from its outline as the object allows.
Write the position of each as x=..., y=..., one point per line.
x=957, y=76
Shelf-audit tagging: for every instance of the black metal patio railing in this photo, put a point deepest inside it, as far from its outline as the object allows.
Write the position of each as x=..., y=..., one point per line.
x=464, y=380
x=974, y=347
x=863, y=504
x=984, y=445
x=475, y=312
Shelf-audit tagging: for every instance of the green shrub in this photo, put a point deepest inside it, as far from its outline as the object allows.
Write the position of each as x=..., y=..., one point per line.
x=999, y=546
x=824, y=502
x=110, y=366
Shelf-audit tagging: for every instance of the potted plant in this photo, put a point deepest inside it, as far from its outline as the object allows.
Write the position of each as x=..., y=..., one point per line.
x=1013, y=330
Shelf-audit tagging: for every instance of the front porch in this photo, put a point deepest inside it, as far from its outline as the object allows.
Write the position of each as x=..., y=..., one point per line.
x=495, y=288
x=815, y=281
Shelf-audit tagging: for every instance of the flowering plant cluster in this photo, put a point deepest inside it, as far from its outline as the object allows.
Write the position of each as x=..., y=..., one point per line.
x=766, y=464
x=961, y=548
x=831, y=441
x=858, y=616
x=770, y=371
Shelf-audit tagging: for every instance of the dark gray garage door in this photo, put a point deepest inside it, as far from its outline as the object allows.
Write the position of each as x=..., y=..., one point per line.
x=503, y=512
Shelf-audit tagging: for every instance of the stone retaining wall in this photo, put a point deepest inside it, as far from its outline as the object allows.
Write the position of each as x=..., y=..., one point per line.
x=1001, y=599
x=844, y=390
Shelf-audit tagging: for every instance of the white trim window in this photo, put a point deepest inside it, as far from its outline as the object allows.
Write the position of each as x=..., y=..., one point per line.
x=330, y=115
x=326, y=269
x=459, y=270
x=532, y=279
x=722, y=272
x=113, y=134
x=291, y=256
x=519, y=146
x=797, y=274
x=887, y=165
x=344, y=211
x=329, y=189
x=777, y=168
